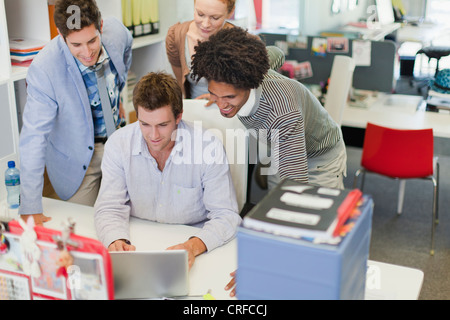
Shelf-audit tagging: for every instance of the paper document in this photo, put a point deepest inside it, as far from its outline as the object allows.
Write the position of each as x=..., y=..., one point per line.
x=294, y=217
x=306, y=201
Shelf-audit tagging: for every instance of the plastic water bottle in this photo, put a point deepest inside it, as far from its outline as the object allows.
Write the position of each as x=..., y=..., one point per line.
x=12, y=182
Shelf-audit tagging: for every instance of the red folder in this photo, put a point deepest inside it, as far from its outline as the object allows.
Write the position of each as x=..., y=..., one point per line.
x=89, y=276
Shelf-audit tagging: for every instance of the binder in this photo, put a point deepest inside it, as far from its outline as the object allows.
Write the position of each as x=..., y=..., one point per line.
x=137, y=25
x=154, y=16
x=141, y=17
x=33, y=264
x=127, y=15
x=53, y=29
x=297, y=210
x=146, y=7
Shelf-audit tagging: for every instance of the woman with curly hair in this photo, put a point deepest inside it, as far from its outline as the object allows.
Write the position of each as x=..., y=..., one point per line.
x=306, y=143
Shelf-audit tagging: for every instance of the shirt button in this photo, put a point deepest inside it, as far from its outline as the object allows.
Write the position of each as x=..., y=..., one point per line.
x=84, y=167
x=91, y=148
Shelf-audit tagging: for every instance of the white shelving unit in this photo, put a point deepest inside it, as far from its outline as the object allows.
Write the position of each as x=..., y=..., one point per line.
x=30, y=19
x=9, y=134
x=149, y=53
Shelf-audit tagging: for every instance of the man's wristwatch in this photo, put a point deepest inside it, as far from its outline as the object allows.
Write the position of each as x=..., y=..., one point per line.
x=124, y=240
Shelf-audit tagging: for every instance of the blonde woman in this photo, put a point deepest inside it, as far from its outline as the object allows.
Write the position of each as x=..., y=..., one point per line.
x=210, y=16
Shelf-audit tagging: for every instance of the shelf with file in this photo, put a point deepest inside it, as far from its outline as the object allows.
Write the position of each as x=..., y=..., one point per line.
x=149, y=52
x=18, y=73
x=5, y=67
x=28, y=21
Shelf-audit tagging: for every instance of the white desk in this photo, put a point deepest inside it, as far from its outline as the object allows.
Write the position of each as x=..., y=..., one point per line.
x=376, y=33
x=211, y=270
x=391, y=282
x=397, y=111
x=424, y=33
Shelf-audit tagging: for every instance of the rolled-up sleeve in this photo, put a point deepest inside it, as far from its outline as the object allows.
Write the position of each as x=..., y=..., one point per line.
x=219, y=198
x=112, y=212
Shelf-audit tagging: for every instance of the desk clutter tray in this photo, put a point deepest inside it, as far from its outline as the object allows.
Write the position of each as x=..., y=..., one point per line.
x=41, y=263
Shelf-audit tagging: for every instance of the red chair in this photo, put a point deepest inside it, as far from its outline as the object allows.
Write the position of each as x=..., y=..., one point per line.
x=401, y=154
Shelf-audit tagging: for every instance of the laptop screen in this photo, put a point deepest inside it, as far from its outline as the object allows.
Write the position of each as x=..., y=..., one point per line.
x=152, y=274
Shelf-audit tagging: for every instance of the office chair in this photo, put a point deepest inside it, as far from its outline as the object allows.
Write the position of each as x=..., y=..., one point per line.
x=435, y=52
x=233, y=135
x=432, y=52
x=401, y=154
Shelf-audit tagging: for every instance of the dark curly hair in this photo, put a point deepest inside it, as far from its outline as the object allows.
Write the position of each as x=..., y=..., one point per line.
x=232, y=56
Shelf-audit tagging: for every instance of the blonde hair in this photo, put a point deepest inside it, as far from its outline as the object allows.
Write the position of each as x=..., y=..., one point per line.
x=230, y=4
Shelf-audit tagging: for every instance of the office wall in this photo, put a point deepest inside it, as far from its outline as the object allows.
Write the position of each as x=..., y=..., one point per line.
x=185, y=10
x=244, y=17
x=414, y=8
x=317, y=15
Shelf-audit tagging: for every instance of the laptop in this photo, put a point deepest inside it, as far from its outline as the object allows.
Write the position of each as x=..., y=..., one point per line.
x=152, y=274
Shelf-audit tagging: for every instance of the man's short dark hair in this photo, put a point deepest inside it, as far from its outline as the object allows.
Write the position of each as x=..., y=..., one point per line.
x=156, y=90
x=89, y=14
x=232, y=56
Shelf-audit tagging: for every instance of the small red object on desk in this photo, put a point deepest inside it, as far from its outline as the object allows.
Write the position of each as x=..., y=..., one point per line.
x=346, y=208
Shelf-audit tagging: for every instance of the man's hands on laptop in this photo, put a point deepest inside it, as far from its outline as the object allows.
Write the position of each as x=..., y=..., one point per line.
x=194, y=246
x=121, y=245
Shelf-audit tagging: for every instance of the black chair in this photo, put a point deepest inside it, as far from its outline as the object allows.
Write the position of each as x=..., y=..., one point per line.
x=435, y=52
x=432, y=52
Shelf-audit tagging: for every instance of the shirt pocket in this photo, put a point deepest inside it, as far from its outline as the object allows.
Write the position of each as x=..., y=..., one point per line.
x=188, y=202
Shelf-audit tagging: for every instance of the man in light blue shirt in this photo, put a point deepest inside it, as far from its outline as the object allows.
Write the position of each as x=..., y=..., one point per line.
x=165, y=170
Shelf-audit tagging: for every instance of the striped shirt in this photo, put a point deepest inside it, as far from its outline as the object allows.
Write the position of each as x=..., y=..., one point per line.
x=293, y=119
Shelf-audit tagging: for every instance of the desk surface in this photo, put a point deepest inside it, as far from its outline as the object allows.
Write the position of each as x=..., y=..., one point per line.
x=211, y=270
x=376, y=33
x=397, y=111
x=423, y=33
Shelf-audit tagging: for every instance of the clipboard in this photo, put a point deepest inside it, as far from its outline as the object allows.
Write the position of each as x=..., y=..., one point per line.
x=26, y=274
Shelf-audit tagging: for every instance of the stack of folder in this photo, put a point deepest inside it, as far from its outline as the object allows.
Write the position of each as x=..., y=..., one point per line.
x=23, y=51
x=304, y=211
x=141, y=17
x=438, y=101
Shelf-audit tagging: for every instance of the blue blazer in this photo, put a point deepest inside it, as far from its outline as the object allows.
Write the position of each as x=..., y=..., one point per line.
x=58, y=130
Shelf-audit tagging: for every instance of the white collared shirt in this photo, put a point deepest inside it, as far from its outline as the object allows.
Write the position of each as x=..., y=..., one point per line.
x=247, y=109
x=190, y=190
